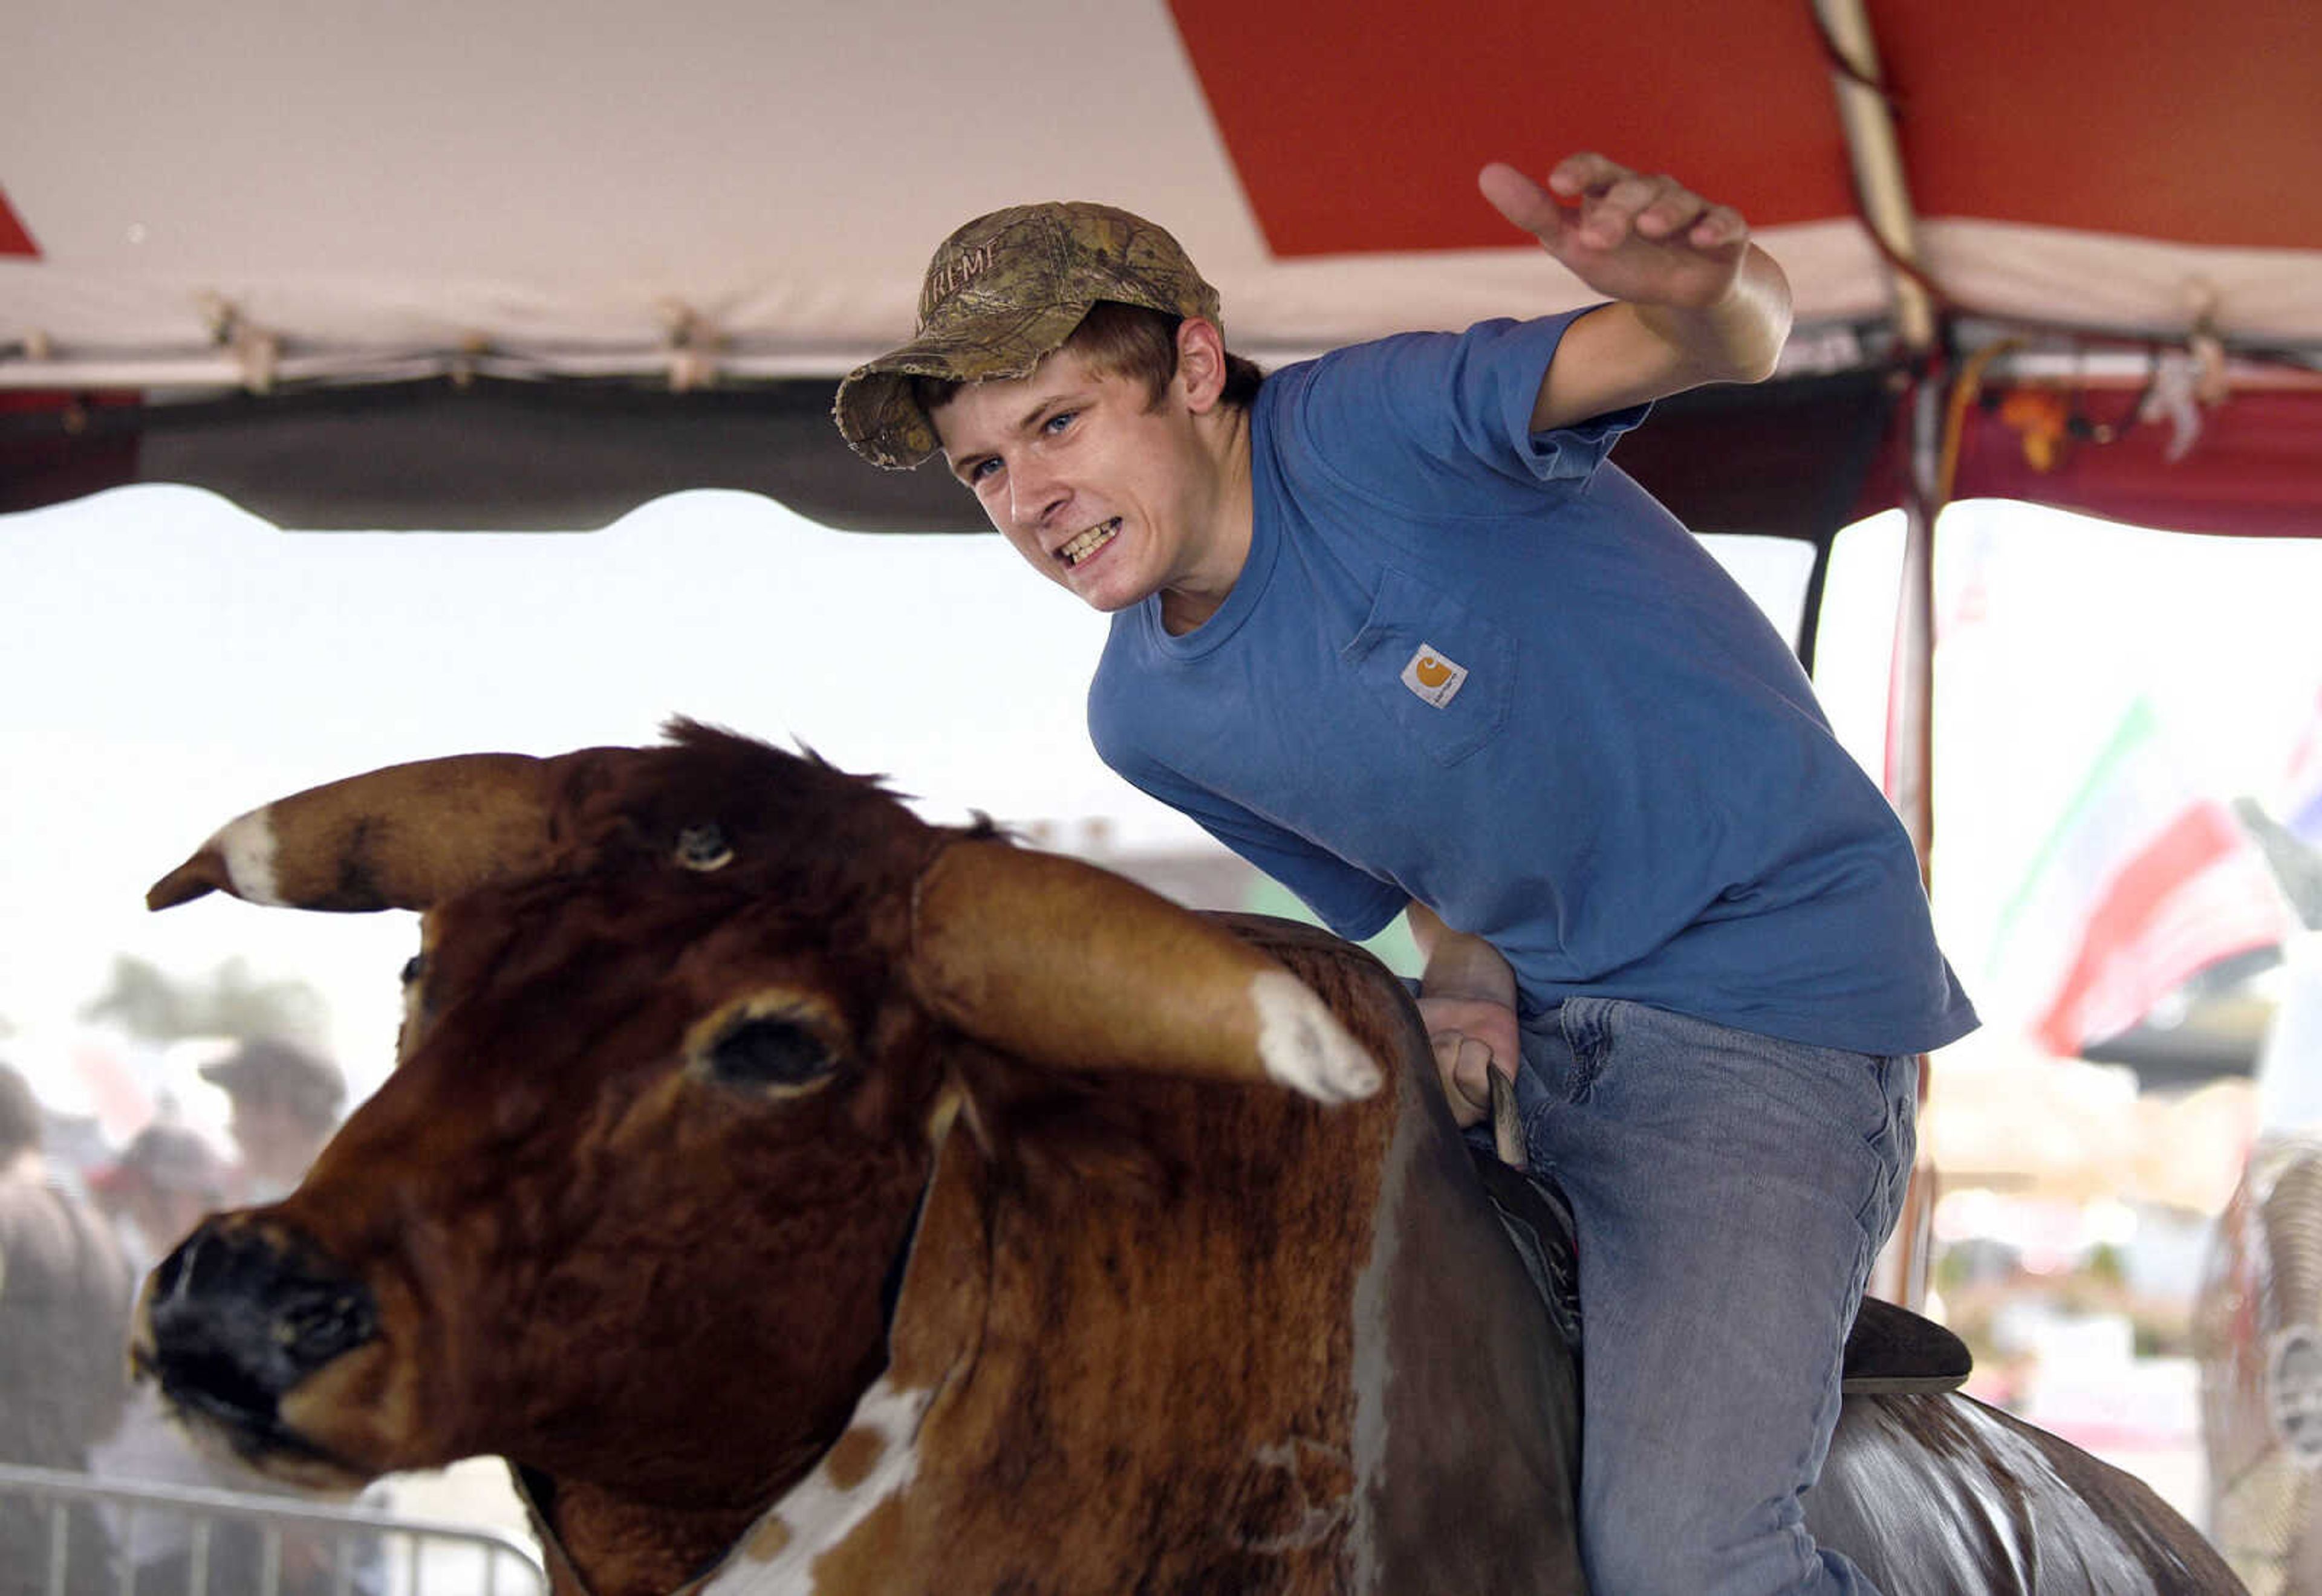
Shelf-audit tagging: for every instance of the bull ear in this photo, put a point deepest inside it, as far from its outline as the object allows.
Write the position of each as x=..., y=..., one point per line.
x=1073, y=967
x=403, y=837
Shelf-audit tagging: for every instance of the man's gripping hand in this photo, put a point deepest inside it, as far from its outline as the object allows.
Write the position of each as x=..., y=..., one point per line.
x=1467, y=1000
x=1645, y=239
x=1472, y=1038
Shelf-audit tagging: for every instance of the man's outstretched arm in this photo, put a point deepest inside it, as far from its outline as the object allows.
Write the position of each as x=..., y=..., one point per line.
x=1695, y=300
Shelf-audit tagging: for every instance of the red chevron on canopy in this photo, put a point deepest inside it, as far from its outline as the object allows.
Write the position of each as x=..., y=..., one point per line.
x=1354, y=124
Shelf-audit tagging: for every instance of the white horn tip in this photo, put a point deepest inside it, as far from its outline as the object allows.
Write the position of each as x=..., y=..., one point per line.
x=248, y=845
x=238, y=859
x=1304, y=1046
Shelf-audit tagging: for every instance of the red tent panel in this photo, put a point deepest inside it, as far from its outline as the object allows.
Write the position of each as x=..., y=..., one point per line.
x=2149, y=117
x=1358, y=124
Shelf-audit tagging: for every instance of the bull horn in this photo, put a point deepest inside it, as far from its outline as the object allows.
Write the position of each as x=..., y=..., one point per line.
x=1073, y=967
x=403, y=837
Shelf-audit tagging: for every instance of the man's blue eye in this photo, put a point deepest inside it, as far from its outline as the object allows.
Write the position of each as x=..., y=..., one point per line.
x=982, y=468
x=1056, y=422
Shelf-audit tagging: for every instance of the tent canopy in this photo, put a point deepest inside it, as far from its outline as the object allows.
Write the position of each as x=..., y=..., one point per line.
x=530, y=264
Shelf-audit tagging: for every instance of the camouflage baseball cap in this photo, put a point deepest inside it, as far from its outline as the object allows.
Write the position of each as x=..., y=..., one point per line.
x=1003, y=291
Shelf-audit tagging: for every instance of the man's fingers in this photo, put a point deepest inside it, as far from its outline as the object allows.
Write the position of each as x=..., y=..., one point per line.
x=1672, y=214
x=1471, y=1067
x=1613, y=203
x=1465, y=1065
x=1521, y=201
x=1644, y=237
x=1585, y=172
x=1655, y=207
x=1719, y=226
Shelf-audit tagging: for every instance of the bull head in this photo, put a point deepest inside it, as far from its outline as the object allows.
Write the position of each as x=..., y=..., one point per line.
x=309, y=1335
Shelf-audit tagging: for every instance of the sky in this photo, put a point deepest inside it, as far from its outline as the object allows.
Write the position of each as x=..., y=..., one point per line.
x=170, y=662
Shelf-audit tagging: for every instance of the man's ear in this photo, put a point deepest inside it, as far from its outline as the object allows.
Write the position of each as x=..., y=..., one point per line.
x=1200, y=363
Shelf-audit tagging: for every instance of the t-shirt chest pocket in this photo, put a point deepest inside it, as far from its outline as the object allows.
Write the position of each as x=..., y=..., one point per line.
x=1443, y=674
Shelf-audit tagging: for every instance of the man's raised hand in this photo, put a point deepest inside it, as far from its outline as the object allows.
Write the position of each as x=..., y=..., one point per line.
x=1646, y=239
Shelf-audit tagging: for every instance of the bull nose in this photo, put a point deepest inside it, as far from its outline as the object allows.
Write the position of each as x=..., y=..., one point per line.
x=237, y=1317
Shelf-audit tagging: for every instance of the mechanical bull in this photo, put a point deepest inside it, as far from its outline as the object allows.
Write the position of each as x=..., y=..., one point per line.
x=803, y=1197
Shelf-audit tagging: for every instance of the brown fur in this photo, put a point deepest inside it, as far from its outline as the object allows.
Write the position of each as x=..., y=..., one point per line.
x=1174, y=1382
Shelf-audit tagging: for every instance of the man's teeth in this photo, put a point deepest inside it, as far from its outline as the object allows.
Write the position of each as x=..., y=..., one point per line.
x=1088, y=541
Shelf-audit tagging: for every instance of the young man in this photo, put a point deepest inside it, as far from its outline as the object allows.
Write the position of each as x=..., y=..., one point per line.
x=64, y=1325
x=1388, y=626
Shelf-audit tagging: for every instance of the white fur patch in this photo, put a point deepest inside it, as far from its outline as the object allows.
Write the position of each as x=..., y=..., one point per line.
x=248, y=847
x=817, y=1514
x=1304, y=1044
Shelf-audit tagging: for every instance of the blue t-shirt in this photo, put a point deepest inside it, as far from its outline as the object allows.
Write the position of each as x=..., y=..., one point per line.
x=1483, y=668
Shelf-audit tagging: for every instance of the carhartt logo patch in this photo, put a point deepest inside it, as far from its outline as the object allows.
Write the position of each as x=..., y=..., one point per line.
x=1434, y=676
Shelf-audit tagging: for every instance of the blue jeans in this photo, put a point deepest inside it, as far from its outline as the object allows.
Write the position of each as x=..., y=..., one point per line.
x=1730, y=1191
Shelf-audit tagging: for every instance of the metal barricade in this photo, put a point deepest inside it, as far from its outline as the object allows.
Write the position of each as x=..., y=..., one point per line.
x=418, y=1558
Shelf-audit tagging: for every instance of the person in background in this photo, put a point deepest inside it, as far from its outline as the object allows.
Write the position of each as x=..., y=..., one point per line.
x=286, y=1104
x=164, y=1181
x=160, y=1188
x=64, y=1335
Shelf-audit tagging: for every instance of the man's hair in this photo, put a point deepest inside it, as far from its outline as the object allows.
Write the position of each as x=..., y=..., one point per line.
x=1127, y=340
x=20, y=1113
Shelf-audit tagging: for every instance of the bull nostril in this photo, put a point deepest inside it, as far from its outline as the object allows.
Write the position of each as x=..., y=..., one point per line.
x=318, y=1325
x=237, y=1319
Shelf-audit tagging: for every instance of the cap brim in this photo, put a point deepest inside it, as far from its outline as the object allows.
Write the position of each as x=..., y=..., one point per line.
x=884, y=424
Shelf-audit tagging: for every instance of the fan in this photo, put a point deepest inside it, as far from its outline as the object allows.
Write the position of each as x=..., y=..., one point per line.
x=2257, y=1331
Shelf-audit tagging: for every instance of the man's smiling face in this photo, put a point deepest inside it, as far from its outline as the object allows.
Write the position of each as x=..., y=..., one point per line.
x=1108, y=494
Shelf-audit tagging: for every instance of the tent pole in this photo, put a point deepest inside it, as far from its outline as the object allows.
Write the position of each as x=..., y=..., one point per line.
x=1876, y=156
x=1900, y=1272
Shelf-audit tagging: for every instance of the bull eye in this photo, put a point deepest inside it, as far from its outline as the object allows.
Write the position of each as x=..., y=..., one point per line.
x=413, y=969
x=776, y=1052
x=704, y=848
